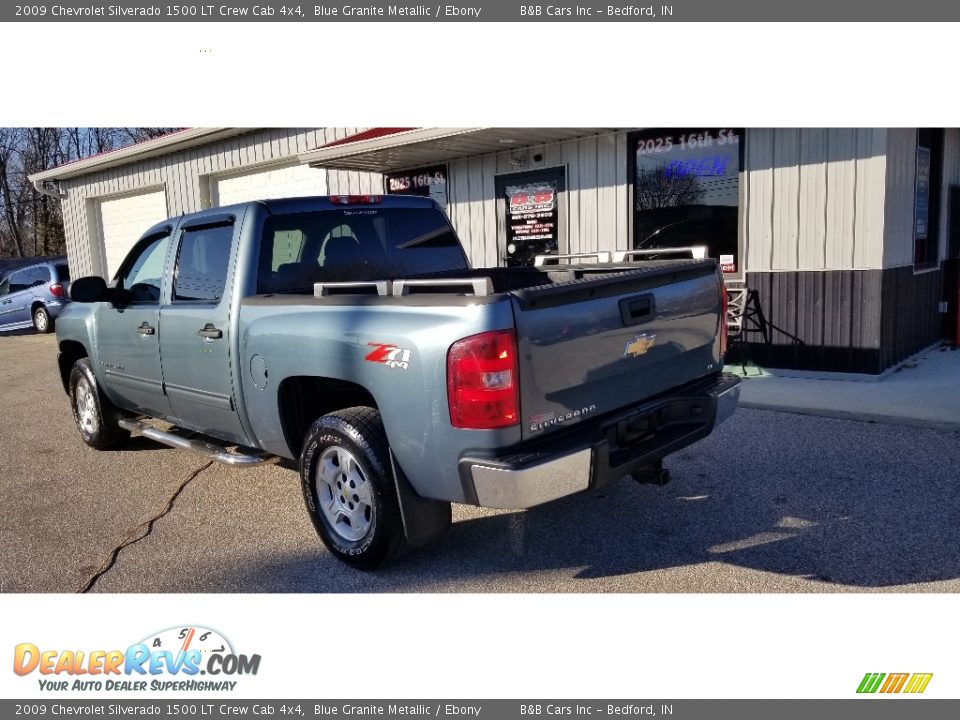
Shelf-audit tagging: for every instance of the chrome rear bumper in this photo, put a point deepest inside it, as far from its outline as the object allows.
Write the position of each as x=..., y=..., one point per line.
x=531, y=479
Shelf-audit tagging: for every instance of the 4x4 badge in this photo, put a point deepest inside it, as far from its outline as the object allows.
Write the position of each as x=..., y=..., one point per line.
x=639, y=345
x=389, y=355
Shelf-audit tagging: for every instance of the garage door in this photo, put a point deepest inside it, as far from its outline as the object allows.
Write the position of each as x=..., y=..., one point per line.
x=124, y=220
x=278, y=182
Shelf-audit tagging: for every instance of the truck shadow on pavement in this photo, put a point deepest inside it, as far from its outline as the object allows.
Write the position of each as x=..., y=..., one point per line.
x=841, y=503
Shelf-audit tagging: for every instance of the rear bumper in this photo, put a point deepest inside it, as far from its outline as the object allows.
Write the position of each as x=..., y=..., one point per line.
x=591, y=455
x=54, y=307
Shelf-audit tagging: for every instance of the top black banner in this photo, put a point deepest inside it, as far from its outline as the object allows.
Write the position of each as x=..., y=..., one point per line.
x=486, y=11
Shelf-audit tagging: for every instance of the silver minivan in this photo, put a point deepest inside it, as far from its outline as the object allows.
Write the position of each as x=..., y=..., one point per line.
x=34, y=295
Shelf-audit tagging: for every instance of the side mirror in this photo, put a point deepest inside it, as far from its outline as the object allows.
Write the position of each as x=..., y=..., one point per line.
x=88, y=289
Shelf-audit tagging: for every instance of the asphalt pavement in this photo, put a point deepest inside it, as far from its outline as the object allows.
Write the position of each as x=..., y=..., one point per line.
x=771, y=502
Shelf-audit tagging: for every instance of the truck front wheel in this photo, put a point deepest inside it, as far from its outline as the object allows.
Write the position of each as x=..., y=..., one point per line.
x=349, y=489
x=96, y=417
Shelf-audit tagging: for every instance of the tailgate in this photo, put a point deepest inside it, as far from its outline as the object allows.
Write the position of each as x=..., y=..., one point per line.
x=598, y=344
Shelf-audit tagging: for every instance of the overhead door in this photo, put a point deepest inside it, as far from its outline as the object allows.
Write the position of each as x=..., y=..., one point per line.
x=124, y=220
x=275, y=182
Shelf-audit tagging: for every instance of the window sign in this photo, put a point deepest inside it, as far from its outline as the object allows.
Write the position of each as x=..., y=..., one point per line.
x=532, y=221
x=922, y=202
x=927, y=186
x=532, y=204
x=686, y=191
x=423, y=182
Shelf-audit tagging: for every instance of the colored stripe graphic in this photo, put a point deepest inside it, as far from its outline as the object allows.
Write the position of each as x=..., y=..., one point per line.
x=918, y=683
x=870, y=682
x=894, y=683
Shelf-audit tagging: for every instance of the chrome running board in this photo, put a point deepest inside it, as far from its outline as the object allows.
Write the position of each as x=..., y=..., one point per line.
x=202, y=447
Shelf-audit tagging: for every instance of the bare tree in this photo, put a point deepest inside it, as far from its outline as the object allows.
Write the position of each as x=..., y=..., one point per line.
x=10, y=238
x=30, y=221
x=658, y=188
x=141, y=134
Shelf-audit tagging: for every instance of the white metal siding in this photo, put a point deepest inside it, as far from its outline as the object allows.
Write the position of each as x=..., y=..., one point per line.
x=274, y=182
x=901, y=172
x=814, y=198
x=185, y=176
x=123, y=220
x=596, y=205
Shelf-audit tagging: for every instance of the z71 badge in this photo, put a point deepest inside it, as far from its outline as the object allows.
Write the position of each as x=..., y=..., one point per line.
x=390, y=355
x=639, y=345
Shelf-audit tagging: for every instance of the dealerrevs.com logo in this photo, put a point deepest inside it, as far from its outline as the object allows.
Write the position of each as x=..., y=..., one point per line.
x=172, y=659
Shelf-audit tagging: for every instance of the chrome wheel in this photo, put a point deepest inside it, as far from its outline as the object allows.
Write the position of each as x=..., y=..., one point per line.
x=86, y=407
x=40, y=320
x=345, y=496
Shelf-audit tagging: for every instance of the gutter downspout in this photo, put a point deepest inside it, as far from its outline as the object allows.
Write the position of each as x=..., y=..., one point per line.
x=40, y=187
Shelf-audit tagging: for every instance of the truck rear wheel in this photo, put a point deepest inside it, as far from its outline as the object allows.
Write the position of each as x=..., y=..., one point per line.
x=349, y=489
x=96, y=417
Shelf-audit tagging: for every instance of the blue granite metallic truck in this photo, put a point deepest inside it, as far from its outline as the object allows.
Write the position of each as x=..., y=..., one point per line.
x=351, y=335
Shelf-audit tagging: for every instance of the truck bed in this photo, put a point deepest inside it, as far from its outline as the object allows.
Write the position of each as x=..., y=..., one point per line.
x=592, y=338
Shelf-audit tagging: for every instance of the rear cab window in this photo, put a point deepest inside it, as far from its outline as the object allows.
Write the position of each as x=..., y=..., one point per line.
x=355, y=243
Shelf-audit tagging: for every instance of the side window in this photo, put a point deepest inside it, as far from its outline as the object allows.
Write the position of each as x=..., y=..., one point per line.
x=19, y=281
x=40, y=276
x=142, y=271
x=5, y=286
x=202, y=263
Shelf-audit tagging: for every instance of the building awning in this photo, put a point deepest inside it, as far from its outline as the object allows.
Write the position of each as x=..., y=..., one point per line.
x=389, y=149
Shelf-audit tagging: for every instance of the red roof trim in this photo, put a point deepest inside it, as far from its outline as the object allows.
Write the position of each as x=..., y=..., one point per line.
x=370, y=134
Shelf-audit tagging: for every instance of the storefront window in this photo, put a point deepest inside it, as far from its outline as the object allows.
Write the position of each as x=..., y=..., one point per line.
x=926, y=197
x=686, y=191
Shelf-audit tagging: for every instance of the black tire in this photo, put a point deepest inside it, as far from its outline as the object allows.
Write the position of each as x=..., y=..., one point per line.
x=358, y=431
x=97, y=419
x=42, y=322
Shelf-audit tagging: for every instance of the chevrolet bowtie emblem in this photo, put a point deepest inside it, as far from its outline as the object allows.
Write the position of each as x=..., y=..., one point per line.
x=639, y=345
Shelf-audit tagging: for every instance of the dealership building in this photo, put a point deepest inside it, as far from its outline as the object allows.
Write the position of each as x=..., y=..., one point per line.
x=846, y=240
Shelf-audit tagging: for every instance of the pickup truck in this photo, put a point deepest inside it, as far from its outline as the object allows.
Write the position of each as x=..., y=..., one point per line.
x=351, y=335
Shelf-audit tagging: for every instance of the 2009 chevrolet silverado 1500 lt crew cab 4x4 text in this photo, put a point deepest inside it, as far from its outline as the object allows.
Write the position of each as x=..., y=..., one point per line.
x=350, y=333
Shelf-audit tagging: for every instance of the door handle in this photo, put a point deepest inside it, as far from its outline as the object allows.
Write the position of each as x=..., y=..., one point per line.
x=209, y=331
x=146, y=328
x=637, y=310
x=7, y=302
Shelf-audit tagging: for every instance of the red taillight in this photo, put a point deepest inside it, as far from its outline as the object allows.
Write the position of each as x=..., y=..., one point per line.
x=56, y=290
x=482, y=383
x=355, y=199
x=724, y=330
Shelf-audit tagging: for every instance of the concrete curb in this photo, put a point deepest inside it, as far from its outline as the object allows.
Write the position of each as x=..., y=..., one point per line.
x=942, y=425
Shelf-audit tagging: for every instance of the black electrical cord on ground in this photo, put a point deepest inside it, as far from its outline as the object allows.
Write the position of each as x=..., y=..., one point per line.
x=136, y=536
